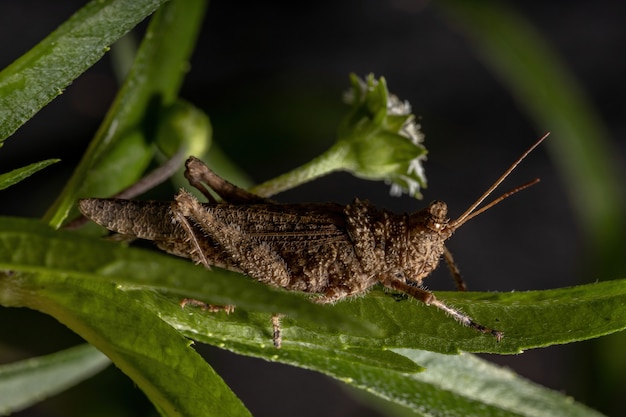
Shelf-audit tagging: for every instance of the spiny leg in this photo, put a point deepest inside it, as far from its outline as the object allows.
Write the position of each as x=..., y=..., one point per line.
x=333, y=295
x=429, y=298
x=211, y=308
x=277, y=336
x=193, y=240
x=454, y=270
x=191, y=235
x=198, y=173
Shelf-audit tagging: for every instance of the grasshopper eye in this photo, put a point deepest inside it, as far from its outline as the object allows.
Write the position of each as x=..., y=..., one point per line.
x=438, y=211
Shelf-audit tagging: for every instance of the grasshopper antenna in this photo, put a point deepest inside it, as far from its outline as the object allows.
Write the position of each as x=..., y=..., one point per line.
x=471, y=212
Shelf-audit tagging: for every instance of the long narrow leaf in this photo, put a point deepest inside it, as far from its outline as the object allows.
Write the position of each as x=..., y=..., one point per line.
x=42, y=73
x=450, y=385
x=157, y=358
x=10, y=178
x=27, y=382
x=466, y=385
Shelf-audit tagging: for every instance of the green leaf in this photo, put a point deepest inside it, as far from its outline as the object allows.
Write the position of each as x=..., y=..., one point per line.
x=466, y=385
x=68, y=276
x=449, y=386
x=157, y=358
x=27, y=382
x=529, y=320
x=10, y=178
x=45, y=71
x=122, y=147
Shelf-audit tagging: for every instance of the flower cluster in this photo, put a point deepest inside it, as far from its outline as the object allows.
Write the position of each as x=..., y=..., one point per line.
x=383, y=138
x=378, y=140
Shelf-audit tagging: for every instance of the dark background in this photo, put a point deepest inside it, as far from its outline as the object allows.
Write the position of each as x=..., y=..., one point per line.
x=270, y=76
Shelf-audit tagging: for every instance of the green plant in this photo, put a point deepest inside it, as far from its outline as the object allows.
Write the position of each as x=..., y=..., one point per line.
x=124, y=301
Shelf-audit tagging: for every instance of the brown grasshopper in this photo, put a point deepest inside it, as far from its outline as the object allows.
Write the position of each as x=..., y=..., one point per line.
x=327, y=249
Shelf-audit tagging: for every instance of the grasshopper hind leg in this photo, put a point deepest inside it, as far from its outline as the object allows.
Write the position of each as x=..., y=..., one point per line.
x=198, y=174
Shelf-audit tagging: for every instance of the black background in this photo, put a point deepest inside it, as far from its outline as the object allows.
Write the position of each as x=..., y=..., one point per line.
x=270, y=76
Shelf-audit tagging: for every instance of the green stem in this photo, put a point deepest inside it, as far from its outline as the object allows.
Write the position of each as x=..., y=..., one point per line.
x=331, y=160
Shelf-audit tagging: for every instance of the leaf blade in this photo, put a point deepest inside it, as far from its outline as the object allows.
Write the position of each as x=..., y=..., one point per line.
x=13, y=177
x=369, y=362
x=27, y=382
x=156, y=357
x=41, y=74
x=461, y=385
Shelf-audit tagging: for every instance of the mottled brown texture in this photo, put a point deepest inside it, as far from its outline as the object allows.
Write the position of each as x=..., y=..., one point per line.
x=325, y=249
